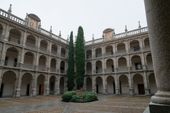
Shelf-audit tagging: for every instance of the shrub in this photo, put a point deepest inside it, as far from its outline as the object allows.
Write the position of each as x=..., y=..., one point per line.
x=81, y=97
x=67, y=96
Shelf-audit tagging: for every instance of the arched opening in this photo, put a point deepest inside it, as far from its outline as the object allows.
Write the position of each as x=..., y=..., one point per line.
x=138, y=84
x=62, y=67
x=110, y=85
x=63, y=52
x=14, y=36
x=89, y=54
x=149, y=61
x=62, y=85
x=134, y=45
x=110, y=66
x=28, y=60
x=40, y=85
x=1, y=29
x=109, y=50
x=26, y=85
x=124, y=86
x=152, y=83
x=98, y=67
x=54, y=49
x=99, y=85
x=98, y=52
x=42, y=63
x=53, y=65
x=122, y=64
x=43, y=45
x=146, y=43
x=8, y=84
x=88, y=84
x=31, y=42
x=136, y=63
x=89, y=68
x=121, y=48
x=11, y=58
x=52, y=85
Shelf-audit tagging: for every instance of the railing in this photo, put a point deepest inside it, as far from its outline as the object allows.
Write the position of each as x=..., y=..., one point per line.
x=120, y=69
x=120, y=35
x=28, y=66
x=42, y=68
x=31, y=46
x=18, y=20
x=53, y=69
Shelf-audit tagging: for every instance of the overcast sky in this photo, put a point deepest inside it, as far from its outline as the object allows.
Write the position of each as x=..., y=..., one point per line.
x=93, y=15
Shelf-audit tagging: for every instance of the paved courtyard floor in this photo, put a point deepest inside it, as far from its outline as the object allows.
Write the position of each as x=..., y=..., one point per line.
x=53, y=104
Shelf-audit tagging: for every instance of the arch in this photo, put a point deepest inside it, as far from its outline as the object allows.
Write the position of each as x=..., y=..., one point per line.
x=54, y=49
x=62, y=85
x=88, y=84
x=124, y=86
x=8, y=84
x=28, y=60
x=40, y=84
x=42, y=63
x=11, y=58
x=31, y=41
x=89, y=68
x=52, y=85
x=26, y=84
x=146, y=43
x=98, y=52
x=109, y=65
x=138, y=84
x=98, y=66
x=53, y=65
x=121, y=48
x=62, y=67
x=63, y=52
x=110, y=85
x=149, y=61
x=14, y=36
x=136, y=62
x=99, y=85
x=134, y=45
x=1, y=29
x=122, y=64
x=109, y=50
x=89, y=54
x=43, y=45
x=152, y=83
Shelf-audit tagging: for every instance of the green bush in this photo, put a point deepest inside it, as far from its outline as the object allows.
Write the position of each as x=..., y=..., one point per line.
x=67, y=96
x=81, y=97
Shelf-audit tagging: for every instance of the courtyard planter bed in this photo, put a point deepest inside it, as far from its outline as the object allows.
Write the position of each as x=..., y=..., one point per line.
x=79, y=96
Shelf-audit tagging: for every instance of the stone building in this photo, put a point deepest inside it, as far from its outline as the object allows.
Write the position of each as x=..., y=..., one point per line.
x=33, y=61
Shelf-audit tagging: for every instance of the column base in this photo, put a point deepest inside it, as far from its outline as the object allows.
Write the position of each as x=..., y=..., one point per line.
x=34, y=92
x=117, y=91
x=17, y=93
x=157, y=108
x=147, y=92
x=131, y=92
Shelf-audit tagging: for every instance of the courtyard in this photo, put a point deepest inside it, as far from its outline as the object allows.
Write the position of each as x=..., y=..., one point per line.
x=53, y=104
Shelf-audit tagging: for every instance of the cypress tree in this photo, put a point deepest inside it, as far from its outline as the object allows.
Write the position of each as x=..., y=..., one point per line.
x=70, y=71
x=80, y=58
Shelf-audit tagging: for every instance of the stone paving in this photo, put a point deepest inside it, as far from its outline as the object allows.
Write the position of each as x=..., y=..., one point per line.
x=53, y=104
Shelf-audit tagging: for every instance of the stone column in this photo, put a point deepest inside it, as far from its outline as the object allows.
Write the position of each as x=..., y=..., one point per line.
x=94, y=84
x=104, y=85
x=117, y=84
x=131, y=85
x=103, y=66
x=93, y=53
x=3, y=54
x=23, y=41
x=158, y=18
x=59, y=51
x=146, y=84
x=143, y=61
x=18, y=85
x=34, y=86
x=103, y=51
x=127, y=47
x=7, y=32
x=46, y=82
x=57, y=89
x=93, y=68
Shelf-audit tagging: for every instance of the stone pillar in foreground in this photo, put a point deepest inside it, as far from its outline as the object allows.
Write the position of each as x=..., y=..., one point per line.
x=158, y=18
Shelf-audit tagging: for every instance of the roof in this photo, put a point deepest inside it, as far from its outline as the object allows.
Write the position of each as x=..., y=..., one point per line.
x=33, y=16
